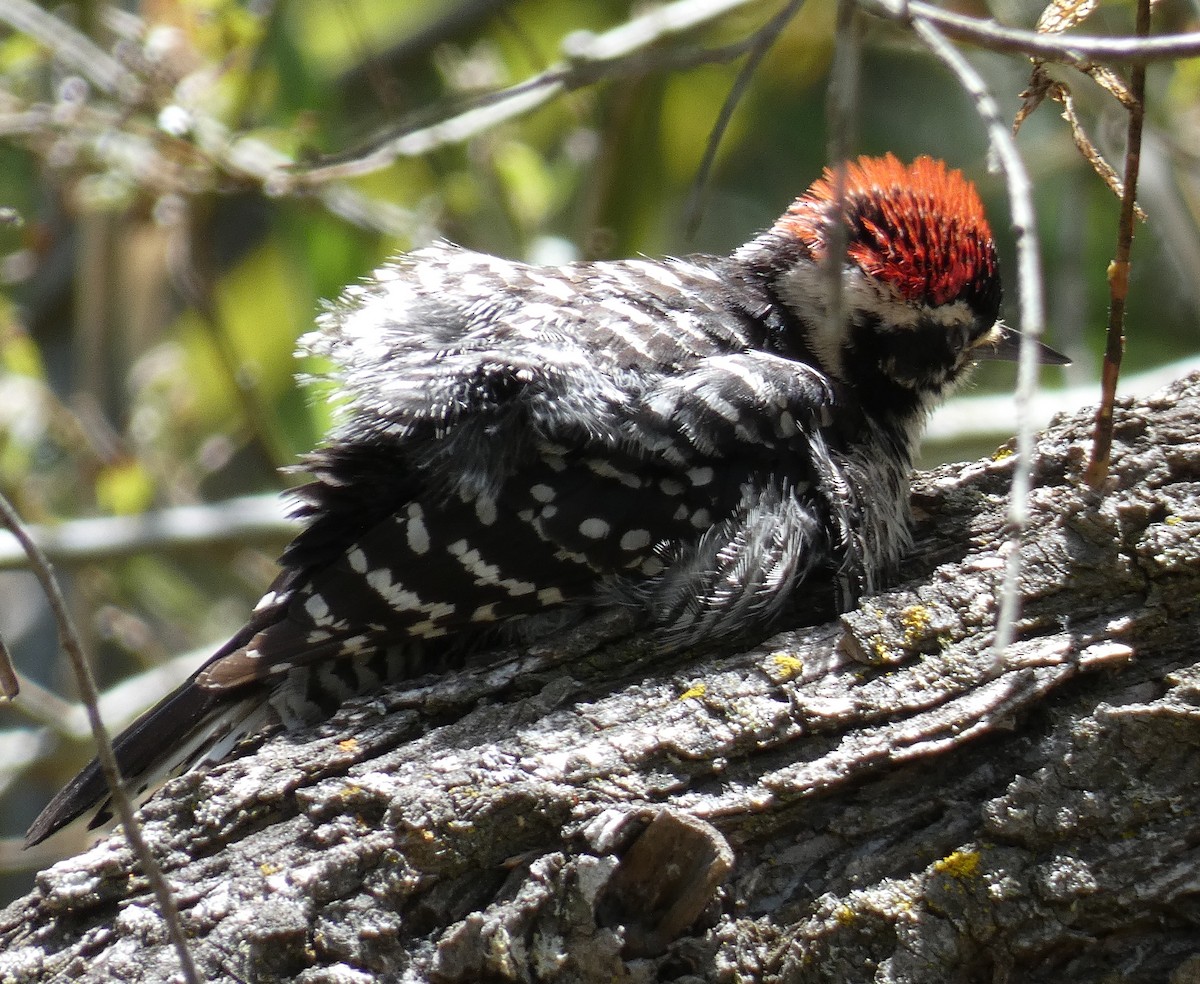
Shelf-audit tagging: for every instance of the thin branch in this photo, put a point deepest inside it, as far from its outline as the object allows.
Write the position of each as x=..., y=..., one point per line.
x=72, y=645
x=1029, y=285
x=841, y=105
x=842, y=98
x=44, y=706
x=1103, y=170
x=195, y=276
x=72, y=48
x=119, y=705
x=589, y=58
x=763, y=41
x=241, y=521
x=9, y=686
x=1080, y=50
x=1118, y=271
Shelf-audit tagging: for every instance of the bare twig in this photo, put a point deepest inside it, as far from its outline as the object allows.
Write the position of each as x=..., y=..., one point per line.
x=71, y=47
x=44, y=706
x=1118, y=270
x=841, y=102
x=1042, y=86
x=842, y=98
x=1078, y=50
x=1059, y=16
x=1029, y=286
x=589, y=58
x=241, y=521
x=9, y=687
x=766, y=37
x=69, y=640
x=1088, y=149
x=630, y=48
x=195, y=277
x=120, y=705
x=594, y=58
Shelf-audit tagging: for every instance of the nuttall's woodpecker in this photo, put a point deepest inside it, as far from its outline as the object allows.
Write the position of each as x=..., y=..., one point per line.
x=696, y=438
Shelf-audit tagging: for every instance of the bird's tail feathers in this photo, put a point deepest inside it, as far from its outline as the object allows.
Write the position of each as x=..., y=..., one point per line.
x=152, y=747
x=197, y=725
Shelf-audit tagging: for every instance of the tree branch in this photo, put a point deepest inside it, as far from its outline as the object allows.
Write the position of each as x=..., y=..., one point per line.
x=873, y=793
x=260, y=519
x=1079, y=50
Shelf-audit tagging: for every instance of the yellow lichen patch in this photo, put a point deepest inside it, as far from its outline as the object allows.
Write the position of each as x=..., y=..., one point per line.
x=787, y=665
x=915, y=619
x=845, y=916
x=348, y=744
x=960, y=864
x=266, y=869
x=699, y=690
x=872, y=650
x=1173, y=520
x=1001, y=453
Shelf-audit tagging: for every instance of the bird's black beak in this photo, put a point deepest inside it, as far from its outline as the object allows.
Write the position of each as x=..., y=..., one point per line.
x=1004, y=345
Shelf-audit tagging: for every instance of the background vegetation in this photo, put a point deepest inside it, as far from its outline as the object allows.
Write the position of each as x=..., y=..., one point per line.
x=154, y=285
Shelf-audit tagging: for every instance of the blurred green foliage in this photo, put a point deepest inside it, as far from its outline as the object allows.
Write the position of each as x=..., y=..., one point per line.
x=152, y=293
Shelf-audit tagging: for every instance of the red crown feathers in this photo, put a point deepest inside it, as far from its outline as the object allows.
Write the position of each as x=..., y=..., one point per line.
x=919, y=227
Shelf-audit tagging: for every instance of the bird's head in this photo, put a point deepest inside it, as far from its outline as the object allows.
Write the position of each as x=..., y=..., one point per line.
x=919, y=274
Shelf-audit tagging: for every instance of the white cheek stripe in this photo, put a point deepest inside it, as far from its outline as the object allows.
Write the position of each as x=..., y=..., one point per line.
x=805, y=287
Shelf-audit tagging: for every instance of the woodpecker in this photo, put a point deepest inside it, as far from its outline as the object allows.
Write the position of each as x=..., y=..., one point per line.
x=700, y=439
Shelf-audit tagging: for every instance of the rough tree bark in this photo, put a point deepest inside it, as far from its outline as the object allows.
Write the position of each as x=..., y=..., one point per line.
x=874, y=799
